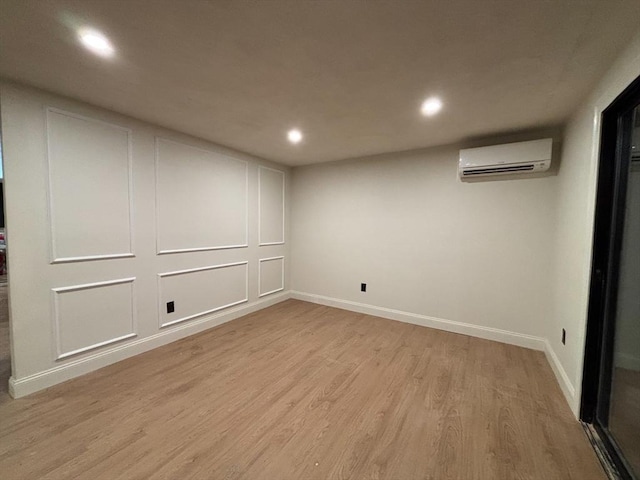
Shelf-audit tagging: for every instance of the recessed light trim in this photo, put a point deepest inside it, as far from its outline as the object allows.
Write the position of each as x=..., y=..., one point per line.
x=294, y=135
x=96, y=42
x=431, y=106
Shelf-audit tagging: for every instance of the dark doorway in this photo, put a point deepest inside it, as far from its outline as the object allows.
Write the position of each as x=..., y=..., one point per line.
x=611, y=384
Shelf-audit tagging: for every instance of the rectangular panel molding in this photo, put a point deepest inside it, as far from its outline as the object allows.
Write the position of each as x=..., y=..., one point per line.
x=201, y=199
x=200, y=291
x=90, y=188
x=270, y=275
x=271, y=206
x=93, y=315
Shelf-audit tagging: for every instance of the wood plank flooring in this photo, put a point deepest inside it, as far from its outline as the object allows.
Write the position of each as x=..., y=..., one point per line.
x=302, y=391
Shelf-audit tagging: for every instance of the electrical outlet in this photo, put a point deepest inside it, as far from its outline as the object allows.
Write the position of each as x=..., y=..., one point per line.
x=170, y=307
x=564, y=336
x=363, y=287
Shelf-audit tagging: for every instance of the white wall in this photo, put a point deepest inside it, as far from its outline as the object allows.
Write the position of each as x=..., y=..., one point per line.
x=508, y=260
x=512, y=255
x=574, y=229
x=469, y=257
x=109, y=218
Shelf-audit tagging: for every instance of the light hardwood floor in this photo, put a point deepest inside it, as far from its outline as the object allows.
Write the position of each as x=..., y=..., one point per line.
x=302, y=391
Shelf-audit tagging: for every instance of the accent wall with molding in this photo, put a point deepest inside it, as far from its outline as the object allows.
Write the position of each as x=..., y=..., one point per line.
x=123, y=236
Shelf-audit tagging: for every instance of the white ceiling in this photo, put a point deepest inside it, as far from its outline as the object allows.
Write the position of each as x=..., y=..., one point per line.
x=350, y=74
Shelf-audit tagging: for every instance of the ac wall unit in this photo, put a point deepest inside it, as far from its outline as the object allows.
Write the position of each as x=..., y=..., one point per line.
x=509, y=159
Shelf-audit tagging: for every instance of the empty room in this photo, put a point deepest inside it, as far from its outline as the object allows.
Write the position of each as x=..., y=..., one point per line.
x=358, y=239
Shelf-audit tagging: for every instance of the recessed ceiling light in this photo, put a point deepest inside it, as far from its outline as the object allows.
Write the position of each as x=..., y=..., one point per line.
x=431, y=106
x=294, y=136
x=96, y=42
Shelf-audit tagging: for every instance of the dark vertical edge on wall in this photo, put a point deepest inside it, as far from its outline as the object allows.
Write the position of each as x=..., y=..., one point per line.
x=602, y=244
x=609, y=219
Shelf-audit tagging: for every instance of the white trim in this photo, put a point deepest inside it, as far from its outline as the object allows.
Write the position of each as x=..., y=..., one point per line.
x=488, y=333
x=50, y=204
x=62, y=356
x=68, y=370
x=86, y=286
x=284, y=178
x=168, y=251
x=200, y=269
x=200, y=249
x=260, y=294
x=205, y=312
x=55, y=292
x=91, y=257
x=562, y=378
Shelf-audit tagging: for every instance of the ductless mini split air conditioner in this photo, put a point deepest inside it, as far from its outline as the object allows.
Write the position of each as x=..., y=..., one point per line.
x=509, y=159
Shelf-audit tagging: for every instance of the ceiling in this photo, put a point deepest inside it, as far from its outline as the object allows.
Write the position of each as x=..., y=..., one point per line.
x=351, y=75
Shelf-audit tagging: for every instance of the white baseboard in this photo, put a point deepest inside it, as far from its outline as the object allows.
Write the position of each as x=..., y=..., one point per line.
x=488, y=333
x=562, y=378
x=66, y=371
x=39, y=381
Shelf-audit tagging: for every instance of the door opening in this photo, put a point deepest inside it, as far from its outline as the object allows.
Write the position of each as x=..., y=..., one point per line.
x=611, y=381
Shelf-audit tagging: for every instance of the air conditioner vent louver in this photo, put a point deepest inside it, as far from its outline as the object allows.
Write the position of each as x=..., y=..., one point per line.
x=485, y=171
x=513, y=158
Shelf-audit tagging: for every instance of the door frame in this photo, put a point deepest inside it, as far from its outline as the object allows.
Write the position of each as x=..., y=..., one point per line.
x=607, y=238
